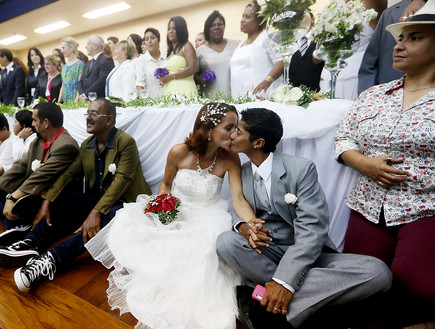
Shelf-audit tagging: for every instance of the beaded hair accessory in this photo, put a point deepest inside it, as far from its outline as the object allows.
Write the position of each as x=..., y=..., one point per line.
x=211, y=111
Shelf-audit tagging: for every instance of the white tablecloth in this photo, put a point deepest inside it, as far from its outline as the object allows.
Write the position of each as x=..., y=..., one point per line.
x=308, y=133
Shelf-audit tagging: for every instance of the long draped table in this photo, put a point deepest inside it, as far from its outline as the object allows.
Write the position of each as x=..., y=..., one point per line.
x=308, y=133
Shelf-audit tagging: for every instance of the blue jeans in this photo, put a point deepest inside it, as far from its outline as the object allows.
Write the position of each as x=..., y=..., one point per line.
x=68, y=212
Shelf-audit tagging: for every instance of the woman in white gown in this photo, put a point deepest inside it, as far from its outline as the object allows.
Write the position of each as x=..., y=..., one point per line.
x=169, y=276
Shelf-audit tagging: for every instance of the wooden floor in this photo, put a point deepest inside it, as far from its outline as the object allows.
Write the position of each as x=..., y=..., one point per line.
x=75, y=299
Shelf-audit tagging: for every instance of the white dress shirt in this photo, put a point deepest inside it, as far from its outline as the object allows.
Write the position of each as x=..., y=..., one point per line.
x=146, y=65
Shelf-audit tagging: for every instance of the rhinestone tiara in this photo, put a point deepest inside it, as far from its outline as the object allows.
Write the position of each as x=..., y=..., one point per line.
x=210, y=111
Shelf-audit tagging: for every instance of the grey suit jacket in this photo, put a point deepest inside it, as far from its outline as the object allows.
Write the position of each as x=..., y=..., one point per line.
x=307, y=221
x=377, y=64
x=59, y=156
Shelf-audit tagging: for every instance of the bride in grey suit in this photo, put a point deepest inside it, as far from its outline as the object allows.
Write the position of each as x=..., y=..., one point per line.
x=289, y=250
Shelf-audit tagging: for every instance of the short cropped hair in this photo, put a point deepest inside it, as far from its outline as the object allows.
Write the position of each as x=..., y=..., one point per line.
x=108, y=106
x=153, y=31
x=3, y=122
x=50, y=111
x=97, y=40
x=24, y=118
x=6, y=53
x=263, y=123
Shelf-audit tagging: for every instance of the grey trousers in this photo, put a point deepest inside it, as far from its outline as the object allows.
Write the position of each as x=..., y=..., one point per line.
x=334, y=278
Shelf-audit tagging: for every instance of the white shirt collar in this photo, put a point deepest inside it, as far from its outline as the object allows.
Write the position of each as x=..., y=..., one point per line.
x=9, y=66
x=97, y=55
x=148, y=57
x=265, y=169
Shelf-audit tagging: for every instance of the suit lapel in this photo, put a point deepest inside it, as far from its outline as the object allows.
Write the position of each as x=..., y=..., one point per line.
x=278, y=189
x=110, y=158
x=248, y=185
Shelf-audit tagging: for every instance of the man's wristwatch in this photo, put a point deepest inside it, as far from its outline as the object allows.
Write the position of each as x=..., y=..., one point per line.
x=10, y=197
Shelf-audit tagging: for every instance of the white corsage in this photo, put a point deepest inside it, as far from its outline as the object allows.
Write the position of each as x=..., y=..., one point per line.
x=112, y=168
x=36, y=164
x=290, y=198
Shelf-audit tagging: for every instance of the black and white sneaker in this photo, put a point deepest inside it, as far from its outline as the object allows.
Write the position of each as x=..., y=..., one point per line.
x=17, y=254
x=37, y=268
x=14, y=234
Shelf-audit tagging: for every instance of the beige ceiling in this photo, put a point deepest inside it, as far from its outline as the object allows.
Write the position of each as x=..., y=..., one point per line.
x=72, y=11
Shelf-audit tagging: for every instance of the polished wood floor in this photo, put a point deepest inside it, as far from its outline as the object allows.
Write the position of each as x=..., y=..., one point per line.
x=75, y=299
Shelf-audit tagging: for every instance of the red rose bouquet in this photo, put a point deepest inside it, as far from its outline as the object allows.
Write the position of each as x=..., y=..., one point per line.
x=164, y=205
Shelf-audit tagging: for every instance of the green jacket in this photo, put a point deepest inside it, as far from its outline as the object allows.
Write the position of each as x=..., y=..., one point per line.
x=123, y=186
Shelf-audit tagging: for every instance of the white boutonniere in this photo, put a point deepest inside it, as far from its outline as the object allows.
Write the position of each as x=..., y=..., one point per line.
x=112, y=168
x=11, y=69
x=36, y=164
x=290, y=198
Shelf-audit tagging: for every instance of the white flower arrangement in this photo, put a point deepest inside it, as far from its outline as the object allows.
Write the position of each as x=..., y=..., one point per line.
x=287, y=94
x=36, y=164
x=338, y=25
x=290, y=198
x=112, y=168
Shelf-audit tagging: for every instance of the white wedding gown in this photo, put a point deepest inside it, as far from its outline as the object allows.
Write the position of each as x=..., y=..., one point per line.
x=169, y=276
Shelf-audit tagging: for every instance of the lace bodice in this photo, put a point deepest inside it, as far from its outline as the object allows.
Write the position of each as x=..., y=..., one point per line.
x=195, y=188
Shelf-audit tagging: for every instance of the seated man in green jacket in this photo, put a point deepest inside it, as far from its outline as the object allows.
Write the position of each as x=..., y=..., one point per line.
x=109, y=161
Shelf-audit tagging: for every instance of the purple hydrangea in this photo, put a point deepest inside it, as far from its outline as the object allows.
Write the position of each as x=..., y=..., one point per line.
x=208, y=76
x=161, y=72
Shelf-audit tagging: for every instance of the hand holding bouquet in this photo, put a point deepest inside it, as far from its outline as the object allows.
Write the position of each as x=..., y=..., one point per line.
x=161, y=72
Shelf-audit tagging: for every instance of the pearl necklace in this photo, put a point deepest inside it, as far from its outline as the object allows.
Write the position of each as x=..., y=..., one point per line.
x=209, y=169
x=418, y=89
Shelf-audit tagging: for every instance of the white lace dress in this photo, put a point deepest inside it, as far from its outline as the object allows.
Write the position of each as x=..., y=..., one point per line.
x=169, y=276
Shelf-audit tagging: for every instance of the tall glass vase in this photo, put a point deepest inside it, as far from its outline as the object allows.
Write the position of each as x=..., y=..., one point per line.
x=286, y=27
x=335, y=61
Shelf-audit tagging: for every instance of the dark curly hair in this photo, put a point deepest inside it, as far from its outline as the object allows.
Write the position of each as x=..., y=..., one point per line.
x=209, y=22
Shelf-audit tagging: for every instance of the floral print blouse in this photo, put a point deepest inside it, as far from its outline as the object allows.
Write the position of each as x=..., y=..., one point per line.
x=375, y=125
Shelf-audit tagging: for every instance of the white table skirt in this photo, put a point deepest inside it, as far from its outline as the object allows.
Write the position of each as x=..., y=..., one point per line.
x=308, y=133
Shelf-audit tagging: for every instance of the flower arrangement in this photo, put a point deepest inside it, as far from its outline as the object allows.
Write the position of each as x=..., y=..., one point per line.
x=208, y=76
x=161, y=72
x=284, y=15
x=164, y=205
x=338, y=25
x=290, y=95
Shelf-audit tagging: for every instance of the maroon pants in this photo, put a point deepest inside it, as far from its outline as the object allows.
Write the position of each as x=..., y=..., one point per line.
x=409, y=251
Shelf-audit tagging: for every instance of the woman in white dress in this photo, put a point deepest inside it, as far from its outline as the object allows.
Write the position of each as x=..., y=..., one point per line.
x=169, y=276
x=256, y=66
x=120, y=82
x=215, y=55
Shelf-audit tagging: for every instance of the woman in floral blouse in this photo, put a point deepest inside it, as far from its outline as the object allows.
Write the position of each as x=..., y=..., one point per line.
x=388, y=135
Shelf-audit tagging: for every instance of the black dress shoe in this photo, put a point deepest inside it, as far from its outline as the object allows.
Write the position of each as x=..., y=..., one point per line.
x=246, y=306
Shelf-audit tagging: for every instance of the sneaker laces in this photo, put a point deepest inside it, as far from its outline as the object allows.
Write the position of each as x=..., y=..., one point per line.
x=43, y=265
x=21, y=245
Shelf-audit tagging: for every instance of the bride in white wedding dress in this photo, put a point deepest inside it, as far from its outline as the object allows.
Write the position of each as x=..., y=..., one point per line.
x=169, y=276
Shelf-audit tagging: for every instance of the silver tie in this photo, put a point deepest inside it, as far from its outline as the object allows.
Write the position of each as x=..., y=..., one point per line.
x=261, y=192
x=303, y=46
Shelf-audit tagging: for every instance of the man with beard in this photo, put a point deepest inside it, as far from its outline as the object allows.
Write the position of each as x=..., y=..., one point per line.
x=49, y=155
x=109, y=161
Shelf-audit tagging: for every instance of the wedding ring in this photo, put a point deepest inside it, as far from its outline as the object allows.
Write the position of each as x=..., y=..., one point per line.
x=404, y=17
x=389, y=161
x=380, y=183
x=283, y=311
x=276, y=309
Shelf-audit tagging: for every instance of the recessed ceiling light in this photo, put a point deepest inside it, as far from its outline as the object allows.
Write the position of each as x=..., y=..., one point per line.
x=13, y=39
x=107, y=10
x=52, y=27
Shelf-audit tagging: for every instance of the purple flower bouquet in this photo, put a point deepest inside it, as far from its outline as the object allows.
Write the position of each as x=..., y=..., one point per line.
x=208, y=76
x=161, y=72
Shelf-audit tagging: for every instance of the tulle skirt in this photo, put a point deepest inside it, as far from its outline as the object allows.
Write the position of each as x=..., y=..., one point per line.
x=169, y=276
